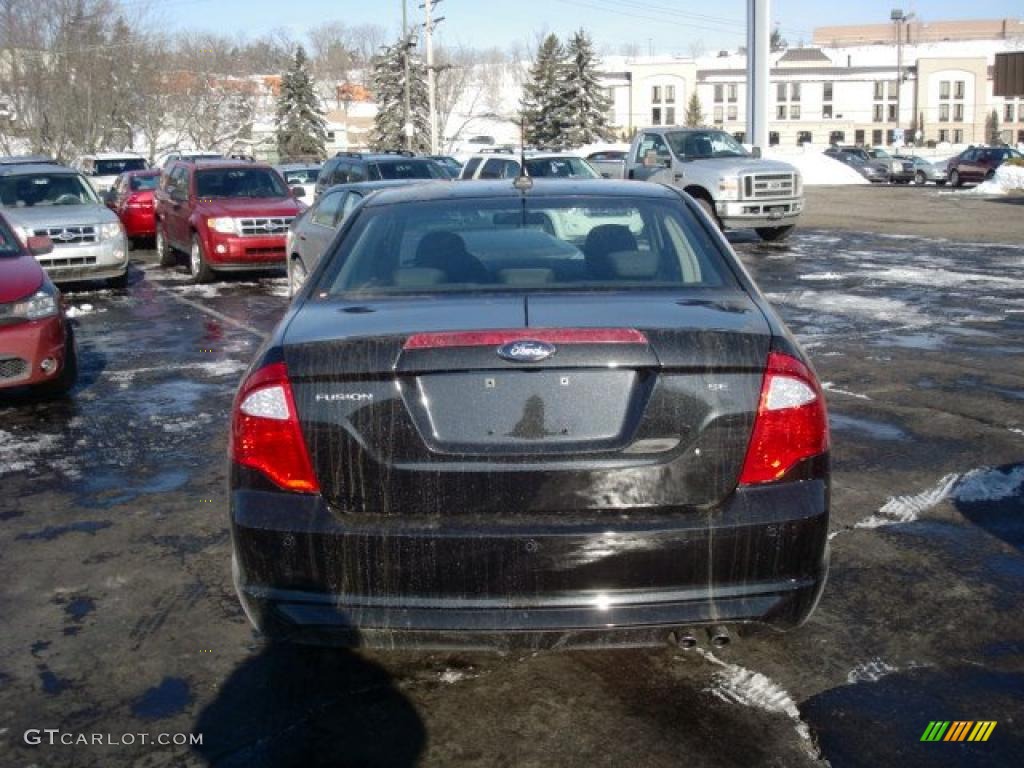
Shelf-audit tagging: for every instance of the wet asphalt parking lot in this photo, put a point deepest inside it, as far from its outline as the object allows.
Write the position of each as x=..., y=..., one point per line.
x=118, y=615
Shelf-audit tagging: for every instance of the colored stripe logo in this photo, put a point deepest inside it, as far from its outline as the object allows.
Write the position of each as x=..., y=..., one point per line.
x=958, y=730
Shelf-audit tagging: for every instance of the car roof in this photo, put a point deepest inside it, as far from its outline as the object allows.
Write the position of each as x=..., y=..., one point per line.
x=504, y=188
x=298, y=166
x=27, y=160
x=144, y=172
x=223, y=163
x=113, y=156
x=32, y=169
x=372, y=186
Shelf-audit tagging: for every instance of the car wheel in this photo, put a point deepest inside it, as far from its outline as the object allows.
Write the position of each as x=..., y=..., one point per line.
x=920, y=179
x=164, y=250
x=774, y=234
x=68, y=375
x=954, y=177
x=201, y=272
x=709, y=209
x=297, y=275
x=990, y=175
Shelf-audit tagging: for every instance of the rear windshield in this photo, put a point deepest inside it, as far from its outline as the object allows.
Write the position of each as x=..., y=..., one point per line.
x=560, y=167
x=542, y=244
x=410, y=169
x=141, y=183
x=301, y=176
x=117, y=167
x=46, y=189
x=239, y=182
x=704, y=144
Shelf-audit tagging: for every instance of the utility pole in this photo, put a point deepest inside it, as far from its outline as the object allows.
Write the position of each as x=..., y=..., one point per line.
x=899, y=18
x=758, y=47
x=431, y=72
x=407, y=126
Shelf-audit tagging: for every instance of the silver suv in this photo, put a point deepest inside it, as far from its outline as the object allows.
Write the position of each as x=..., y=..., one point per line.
x=736, y=188
x=52, y=200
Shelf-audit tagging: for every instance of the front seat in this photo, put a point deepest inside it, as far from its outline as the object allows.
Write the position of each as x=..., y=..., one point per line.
x=602, y=241
x=447, y=252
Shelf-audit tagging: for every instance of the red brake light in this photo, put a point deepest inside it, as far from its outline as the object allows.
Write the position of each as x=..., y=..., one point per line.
x=265, y=432
x=550, y=335
x=791, y=423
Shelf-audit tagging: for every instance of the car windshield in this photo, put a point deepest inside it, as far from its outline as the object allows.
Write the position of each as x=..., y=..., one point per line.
x=119, y=166
x=239, y=182
x=411, y=169
x=46, y=189
x=561, y=167
x=301, y=176
x=881, y=154
x=704, y=144
x=540, y=244
x=142, y=183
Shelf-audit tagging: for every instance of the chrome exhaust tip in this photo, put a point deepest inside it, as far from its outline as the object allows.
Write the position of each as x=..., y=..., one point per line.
x=718, y=636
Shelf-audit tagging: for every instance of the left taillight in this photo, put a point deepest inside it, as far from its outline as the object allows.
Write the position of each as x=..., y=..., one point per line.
x=791, y=423
x=265, y=431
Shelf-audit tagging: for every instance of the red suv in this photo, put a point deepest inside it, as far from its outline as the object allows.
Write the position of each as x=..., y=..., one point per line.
x=978, y=163
x=227, y=215
x=131, y=198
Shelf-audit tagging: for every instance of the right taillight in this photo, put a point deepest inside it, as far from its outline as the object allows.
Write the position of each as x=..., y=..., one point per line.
x=265, y=431
x=791, y=423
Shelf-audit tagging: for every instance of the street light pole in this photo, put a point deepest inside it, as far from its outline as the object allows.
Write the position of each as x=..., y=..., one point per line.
x=407, y=126
x=431, y=78
x=899, y=18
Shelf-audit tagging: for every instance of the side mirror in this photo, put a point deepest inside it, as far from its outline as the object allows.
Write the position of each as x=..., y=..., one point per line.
x=178, y=196
x=109, y=198
x=39, y=245
x=756, y=153
x=298, y=192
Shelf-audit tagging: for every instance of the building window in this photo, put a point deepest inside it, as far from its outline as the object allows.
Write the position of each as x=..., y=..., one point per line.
x=944, y=113
x=836, y=137
x=892, y=113
x=794, y=91
x=826, y=93
x=944, y=89
x=890, y=136
x=826, y=110
x=858, y=137
x=1020, y=137
x=958, y=136
x=876, y=137
x=719, y=93
x=780, y=92
x=740, y=136
x=656, y=94
x=718, y=114
x=733, y=92
x=1008, y=113
x=780, y=112
x=730, y=113
x=656, y=116
x=794, y=111
x=943, y=134
x=773, y=138
x=958, y=89
x=670, y=115
x=879, y=90
x=330, y=137
x=878, y=112
x=958, y=113
x=803, y=137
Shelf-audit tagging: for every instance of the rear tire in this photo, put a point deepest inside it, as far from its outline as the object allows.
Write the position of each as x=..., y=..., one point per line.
x=990, y=175
x=954, y=178
x=201, y=272
x=297, y=275
x=164, y=250
x=774, y=234
x=68, y=375
x=920, y=179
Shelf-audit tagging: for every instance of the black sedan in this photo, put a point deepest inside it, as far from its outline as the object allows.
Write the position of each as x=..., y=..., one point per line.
x=500, y=414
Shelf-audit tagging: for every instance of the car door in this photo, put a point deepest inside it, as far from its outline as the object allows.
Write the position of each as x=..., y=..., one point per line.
x=964, y=163
x=176, y=218
x=651, y=155
x=317, y=231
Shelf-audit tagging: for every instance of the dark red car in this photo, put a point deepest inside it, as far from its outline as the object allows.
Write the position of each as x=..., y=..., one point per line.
x=978, y=164
x=227, y=215
x=37, y=348
x=131, y=198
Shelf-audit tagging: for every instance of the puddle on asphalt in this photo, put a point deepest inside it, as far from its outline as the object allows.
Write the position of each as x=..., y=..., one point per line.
x=56, y=531
x=169, y=698
x=110, y=489
x=879, y=430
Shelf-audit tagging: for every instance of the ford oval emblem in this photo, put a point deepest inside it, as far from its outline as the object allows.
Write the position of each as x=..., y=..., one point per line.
x=526, y=351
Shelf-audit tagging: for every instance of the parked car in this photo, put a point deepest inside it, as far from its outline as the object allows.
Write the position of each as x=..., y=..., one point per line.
x=56, y=201
x=301, y=175
x=870, y=171
x=312, y=231
x=187, y=154
x=37, y=345
x=468, y=431
x=227, y=215
x=103, y=169
x=27, y=160
x=352, y=167
x=976, y=164
x=882, y=167
x=449, y=163
x=131, y=198
x=610, y=163
x=925, y=171
x=735, y=188
x=894, y=166
x=486, y=165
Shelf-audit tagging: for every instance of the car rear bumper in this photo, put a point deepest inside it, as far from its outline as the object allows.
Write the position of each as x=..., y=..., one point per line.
x=759, y=213
x=139, y=222
x=24, y=347
x=308, y=574
x=231, y=252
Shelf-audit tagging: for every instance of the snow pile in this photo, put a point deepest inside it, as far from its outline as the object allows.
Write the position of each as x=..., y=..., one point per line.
x=870, y=671
x=82, y=309
x=990, y=484
x=817, y=168
x=906, y=509
x=1008, y=178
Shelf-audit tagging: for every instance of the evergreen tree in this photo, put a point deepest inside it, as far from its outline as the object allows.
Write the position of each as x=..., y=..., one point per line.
x=777, y=42
x=694, y=111
x=388, y=82
x=586, y=104
x=543, y=105
x=301, y=129
x=992, y=135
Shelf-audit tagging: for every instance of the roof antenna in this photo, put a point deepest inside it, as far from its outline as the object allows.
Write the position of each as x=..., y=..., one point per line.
x=522, y=182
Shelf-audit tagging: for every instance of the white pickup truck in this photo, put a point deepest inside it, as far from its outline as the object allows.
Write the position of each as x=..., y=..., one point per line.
x=736, y=188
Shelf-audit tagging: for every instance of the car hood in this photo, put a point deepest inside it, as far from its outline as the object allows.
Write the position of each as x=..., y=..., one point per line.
x=20, y=277
x=59, y=215
x=728, y=165
x=242, y=207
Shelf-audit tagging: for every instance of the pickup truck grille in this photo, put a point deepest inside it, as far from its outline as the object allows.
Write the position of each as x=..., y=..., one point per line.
x=68, y=235
x=264, y=227
x=763, y=186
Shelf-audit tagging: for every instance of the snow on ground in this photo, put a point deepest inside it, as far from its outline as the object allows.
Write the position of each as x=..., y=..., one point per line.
x=81, y=309
x=18, y=453
x=870, y=671
x=816, y=168
x=906, y=509
x=876, y=309
x=213, y=369
x=990, y=484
